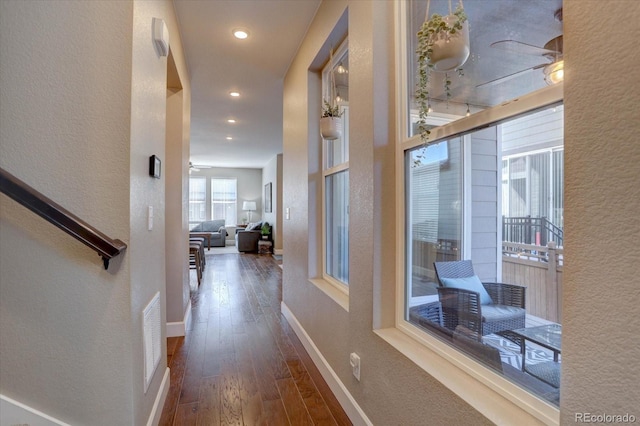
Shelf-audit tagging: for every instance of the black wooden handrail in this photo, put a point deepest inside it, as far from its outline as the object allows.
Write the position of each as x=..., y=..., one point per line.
x=61, y=217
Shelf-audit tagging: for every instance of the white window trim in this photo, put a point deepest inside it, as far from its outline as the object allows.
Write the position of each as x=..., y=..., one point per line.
x=494, y=396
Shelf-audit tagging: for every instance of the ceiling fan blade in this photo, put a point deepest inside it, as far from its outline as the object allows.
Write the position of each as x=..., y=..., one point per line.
x=509, y=76
x=524, y=48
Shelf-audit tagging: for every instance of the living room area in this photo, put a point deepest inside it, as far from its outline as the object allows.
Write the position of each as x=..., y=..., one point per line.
x=237, y=208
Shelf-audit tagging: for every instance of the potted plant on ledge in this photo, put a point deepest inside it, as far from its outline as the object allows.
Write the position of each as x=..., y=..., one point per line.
x=443, y=45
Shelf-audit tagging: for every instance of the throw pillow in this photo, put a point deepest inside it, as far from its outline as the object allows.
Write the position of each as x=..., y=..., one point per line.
x=256, y=226
x=471, y=283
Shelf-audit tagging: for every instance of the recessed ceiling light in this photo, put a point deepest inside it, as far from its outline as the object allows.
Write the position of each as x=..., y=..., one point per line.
x=240, y=33
x=231, y=120
x=229, y=138
x=234, y=94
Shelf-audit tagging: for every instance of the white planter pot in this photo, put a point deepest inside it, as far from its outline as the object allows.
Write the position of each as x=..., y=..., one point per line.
x=331, y=127
x=451, y=52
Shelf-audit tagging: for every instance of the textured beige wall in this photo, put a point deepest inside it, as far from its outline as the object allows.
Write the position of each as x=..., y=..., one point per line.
x=392, y=390
x=272, y=172
x=176, y=167
x=65, y=322
x=148, y=127
x=83, y=108
x=177, y=242
x=601, y=301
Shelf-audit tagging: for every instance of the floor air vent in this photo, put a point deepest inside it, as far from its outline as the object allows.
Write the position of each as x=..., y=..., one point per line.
x=151, y=333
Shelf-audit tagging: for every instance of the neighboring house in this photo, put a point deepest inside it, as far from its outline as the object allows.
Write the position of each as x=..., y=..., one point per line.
x=533, y=178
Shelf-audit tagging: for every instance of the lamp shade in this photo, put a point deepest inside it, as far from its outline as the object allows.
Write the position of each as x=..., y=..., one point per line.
x=249, y=205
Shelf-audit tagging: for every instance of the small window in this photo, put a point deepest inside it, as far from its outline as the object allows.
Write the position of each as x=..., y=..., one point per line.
x=197, y=200
x=335, y=89
x=224, y=195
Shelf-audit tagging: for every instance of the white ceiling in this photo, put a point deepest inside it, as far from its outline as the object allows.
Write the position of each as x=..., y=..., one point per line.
x=218, y=63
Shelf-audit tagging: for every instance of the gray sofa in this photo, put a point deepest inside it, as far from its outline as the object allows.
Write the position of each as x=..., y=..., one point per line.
x=216, y=230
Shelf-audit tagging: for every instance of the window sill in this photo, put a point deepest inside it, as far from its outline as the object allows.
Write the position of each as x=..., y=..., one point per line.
x=333, y=291
x=493, y=396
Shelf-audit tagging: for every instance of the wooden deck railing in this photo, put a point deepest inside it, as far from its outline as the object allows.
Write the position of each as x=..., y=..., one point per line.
x=52, y=212
x=540, y=270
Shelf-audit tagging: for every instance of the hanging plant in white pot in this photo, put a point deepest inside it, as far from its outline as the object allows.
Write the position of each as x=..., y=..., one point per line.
x=331, y=121
x=331, y=118
x=443, y=45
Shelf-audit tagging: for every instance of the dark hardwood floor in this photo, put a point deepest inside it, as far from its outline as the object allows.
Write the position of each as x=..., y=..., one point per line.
x=241, y=363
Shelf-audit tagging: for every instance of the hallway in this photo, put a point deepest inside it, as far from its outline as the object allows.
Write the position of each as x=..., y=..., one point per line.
x=241, y=363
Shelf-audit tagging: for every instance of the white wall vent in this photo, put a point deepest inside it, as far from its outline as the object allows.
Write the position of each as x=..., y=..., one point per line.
x=151, y=334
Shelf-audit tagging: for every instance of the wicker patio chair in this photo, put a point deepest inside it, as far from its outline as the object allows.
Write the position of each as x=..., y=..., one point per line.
x=461, y=307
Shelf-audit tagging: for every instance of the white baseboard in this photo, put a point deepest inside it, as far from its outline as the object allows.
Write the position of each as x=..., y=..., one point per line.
x=13, y=412
x=176, y=329
x=348, y=403
x=158, y=405
x=278, y=251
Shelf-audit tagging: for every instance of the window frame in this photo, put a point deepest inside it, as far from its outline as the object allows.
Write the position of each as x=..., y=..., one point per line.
x=204, y=201
x=333, y=170
x=465, y=231
x=488, y=392
x=212, y=201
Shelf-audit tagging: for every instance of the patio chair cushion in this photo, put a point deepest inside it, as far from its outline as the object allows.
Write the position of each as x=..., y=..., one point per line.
x=491, y=313
x=471, y=283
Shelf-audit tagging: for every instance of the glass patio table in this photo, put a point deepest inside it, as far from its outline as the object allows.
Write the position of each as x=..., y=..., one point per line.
x=548, y=336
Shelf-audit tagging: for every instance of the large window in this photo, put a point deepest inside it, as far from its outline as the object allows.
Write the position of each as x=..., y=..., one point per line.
x=197, y=200
x=224, y=195
x=336, y=174
x=486, y=157
x=456, y=194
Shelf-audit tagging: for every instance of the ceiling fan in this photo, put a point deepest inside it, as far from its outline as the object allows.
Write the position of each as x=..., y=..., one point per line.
x=552, y=50
x=197, y=167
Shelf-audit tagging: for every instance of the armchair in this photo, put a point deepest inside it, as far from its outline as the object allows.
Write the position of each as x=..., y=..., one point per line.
x=483, y=308
x=247, y=239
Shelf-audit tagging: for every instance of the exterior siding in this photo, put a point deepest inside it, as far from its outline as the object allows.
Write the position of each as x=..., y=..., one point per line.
x=484, y=203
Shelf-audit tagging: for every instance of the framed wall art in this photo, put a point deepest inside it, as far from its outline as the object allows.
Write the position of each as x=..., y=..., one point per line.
x=267, y=198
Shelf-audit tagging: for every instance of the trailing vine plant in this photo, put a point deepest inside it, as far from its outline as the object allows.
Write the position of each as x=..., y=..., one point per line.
x=330, y=108
x=431, y=31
